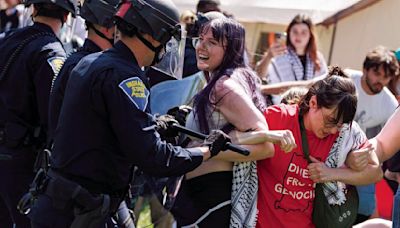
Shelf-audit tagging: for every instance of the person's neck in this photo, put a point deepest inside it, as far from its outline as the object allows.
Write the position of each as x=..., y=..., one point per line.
x=307, y=121
x=53, y=23
x=138, y=49
x=364, y=85
x=300, y=52
x=99, y=41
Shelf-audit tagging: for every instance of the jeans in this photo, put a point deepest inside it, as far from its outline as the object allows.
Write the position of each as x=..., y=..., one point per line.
x=396, y=209
x=367, y=202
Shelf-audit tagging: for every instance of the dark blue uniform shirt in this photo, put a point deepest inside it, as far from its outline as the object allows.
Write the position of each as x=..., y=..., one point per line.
x=25, y=89
x=100, y=130
x=58, y=90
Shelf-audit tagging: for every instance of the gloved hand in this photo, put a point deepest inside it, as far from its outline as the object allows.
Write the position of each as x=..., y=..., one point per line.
x=180, y=113
x=164, y=126
x=217, y=141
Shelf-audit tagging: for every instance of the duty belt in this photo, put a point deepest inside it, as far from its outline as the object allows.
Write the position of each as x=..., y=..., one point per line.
x=63, y=191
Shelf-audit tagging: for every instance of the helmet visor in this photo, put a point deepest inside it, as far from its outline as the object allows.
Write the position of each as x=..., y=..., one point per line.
x=171, y=63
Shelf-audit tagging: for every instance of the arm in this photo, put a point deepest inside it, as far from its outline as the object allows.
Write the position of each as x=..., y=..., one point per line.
x=129, y=121
x=262, y=65
x=319, y=172
x=280, y=87
x=284, y=138
x=387, y=142
x=49, y=59
x=238, y=109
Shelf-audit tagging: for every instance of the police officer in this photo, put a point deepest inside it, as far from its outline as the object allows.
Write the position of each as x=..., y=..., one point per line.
x=105, y=127
x=30, y=58
x=99, y=22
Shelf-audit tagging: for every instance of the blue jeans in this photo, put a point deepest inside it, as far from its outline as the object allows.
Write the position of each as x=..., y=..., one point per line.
x=367, y=204
x=396, y=210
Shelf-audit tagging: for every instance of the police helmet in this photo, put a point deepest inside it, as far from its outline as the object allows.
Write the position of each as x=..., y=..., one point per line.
x=158, y=18
x=99, y=12
x=67, y=5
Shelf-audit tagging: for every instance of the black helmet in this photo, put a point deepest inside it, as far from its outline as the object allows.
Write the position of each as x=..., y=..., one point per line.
x=99, y=12
x=158, y=18
x=68, y=5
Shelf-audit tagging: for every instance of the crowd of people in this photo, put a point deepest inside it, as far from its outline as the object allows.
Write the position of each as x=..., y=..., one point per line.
x=81, y=147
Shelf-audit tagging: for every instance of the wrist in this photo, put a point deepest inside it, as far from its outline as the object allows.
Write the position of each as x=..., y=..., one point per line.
x=206, y=153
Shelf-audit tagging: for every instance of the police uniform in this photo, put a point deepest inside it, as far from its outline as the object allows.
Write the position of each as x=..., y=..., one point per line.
x=58, y=90
x=105, y=109
x=24, y=96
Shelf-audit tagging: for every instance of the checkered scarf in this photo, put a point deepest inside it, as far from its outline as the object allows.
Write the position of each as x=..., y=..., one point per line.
x=289, y=67
x=350, y=138
x=244, y=195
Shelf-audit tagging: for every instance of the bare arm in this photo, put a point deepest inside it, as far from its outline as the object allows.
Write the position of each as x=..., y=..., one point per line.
x=319, y=172
x=387, y=142
x=238, y=109
x=284, y=138
x=262, y=65
x=280, y=87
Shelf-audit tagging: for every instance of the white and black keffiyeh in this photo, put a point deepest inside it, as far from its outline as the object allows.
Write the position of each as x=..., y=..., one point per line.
x=244, y=195
x=349, y=139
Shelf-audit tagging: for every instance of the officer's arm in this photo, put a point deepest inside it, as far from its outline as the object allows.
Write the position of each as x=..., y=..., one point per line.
x=57, y=93
x=45, y=68
x=126, y=102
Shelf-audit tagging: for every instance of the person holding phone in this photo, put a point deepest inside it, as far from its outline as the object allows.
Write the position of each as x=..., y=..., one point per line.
x=297, y=60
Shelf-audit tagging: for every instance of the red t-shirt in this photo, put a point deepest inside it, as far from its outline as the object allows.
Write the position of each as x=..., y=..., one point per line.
x=286, y=193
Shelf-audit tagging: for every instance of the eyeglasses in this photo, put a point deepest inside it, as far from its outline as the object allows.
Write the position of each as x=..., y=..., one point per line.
x=330, y=122
x=208, y=44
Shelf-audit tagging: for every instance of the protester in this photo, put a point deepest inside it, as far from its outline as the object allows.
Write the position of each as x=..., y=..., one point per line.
x=204, y=6
x=230, y=97
x=286, y=186
x=9, y=17
x=293, y=95
x=298, y=60
x=387, y=144
x=374, y=107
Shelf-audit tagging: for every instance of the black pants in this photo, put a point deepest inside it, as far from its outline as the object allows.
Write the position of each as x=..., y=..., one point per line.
x=202, y=193
x=15, y=177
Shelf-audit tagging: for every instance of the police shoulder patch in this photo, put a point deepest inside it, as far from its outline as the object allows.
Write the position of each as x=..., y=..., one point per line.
x=56, y=63
x=136, y=91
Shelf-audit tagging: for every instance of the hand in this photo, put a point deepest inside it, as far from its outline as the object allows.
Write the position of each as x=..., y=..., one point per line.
x=217, y=141
x=180, y=113
x=319, y=172
x=284, y=138
x=277, y=49
x=164, y=126
x=394, y=176
x=358, y=159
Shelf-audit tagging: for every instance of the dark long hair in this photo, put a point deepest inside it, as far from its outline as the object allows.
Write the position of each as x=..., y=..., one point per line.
x=232, y=36
x=311, y=48
x=337, y=90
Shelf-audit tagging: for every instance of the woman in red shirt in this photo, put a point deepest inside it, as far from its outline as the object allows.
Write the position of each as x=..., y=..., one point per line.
x=287, y=181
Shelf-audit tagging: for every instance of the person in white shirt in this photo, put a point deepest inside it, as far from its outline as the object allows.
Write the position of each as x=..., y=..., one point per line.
x=375, y=105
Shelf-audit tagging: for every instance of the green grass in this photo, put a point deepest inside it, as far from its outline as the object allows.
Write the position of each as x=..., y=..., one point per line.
x=144, y=220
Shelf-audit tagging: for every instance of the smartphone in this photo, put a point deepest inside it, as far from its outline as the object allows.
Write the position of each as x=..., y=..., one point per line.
x=280, y=37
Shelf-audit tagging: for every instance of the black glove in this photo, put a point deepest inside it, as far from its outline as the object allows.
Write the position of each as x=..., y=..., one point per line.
x=164, y=126
x=217, y=141
x=180, y=113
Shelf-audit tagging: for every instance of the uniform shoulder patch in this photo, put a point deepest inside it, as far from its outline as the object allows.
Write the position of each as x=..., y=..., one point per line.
x=56, y=63
x=136, y=91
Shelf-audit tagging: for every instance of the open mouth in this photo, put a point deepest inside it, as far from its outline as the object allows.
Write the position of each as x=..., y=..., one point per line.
x=203, y=57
